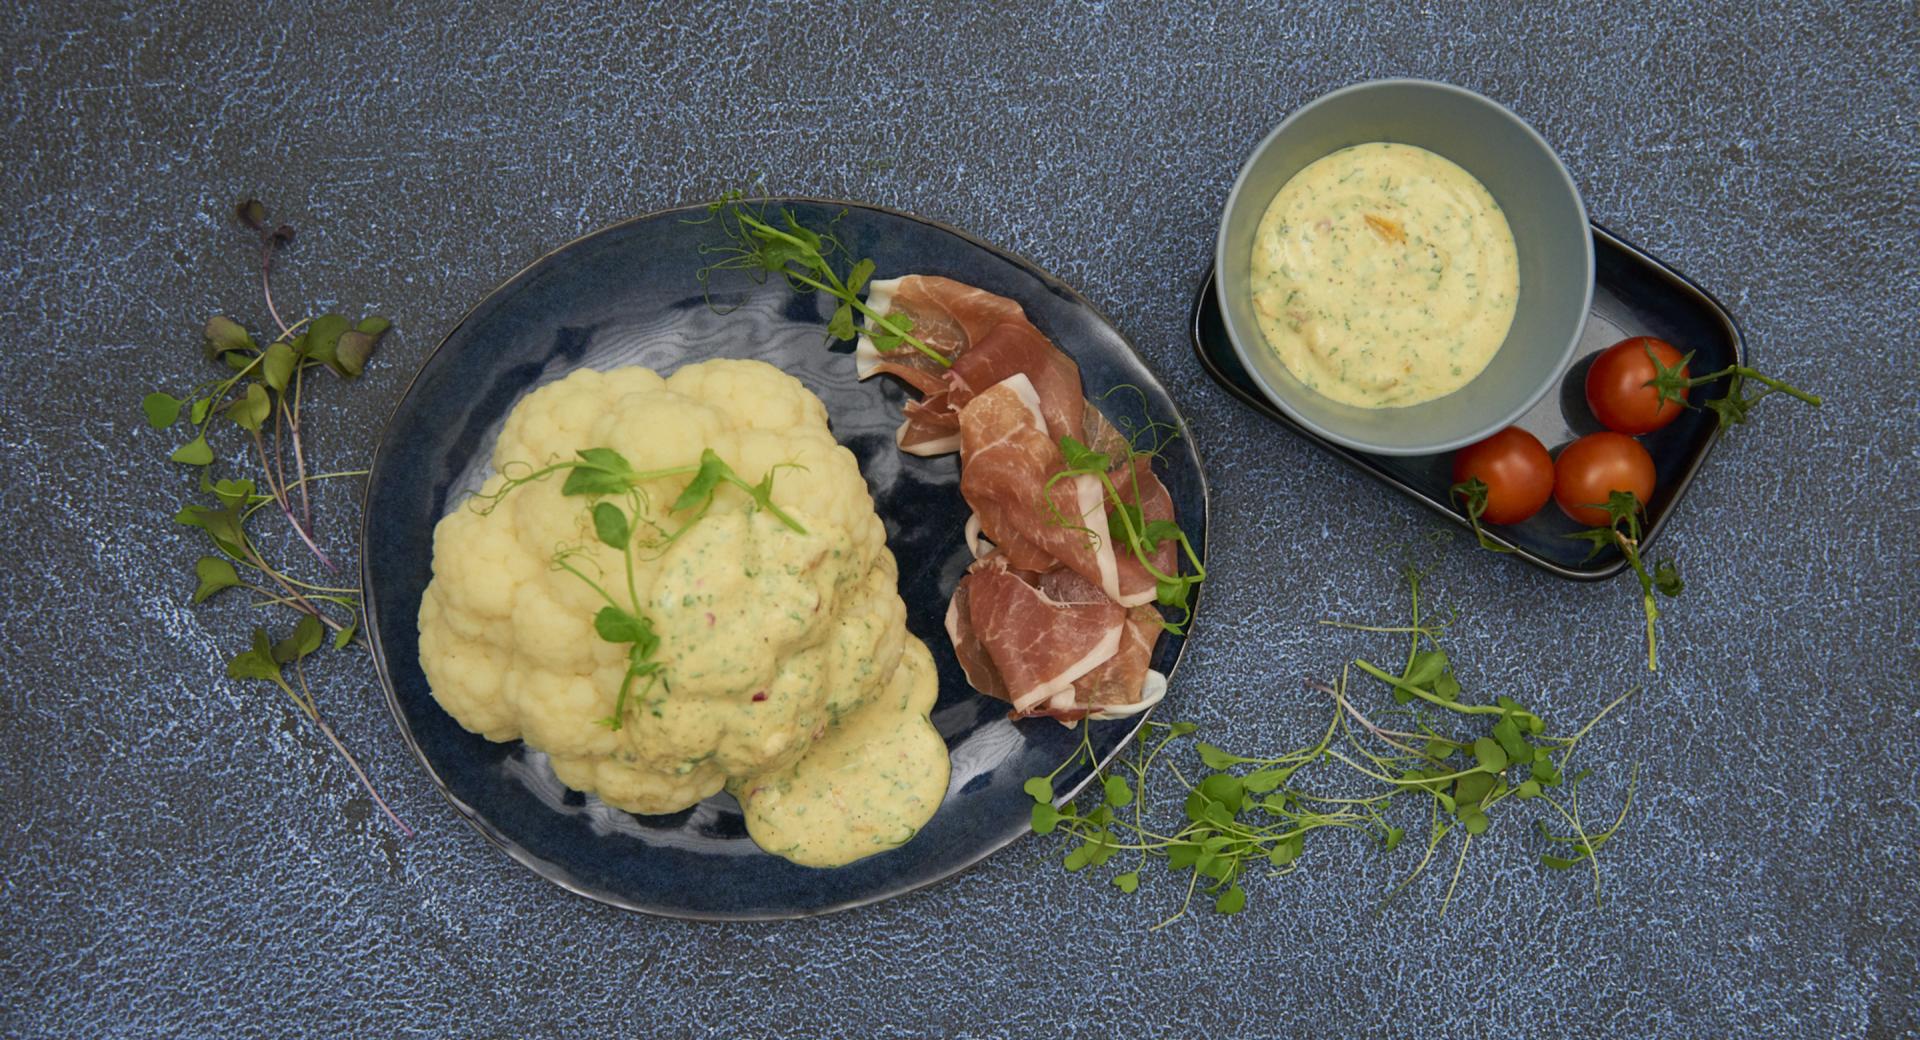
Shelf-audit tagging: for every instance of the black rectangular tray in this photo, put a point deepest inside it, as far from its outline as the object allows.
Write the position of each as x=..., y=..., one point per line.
x=1634, y=295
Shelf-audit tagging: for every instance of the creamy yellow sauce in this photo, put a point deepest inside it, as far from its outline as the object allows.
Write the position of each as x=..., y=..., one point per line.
x=867, y=785
x=1384, y=275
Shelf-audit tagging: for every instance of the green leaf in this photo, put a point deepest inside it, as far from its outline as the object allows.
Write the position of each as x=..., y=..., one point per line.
x=234, y=494
x=1427, y=666
x=323, y=340
x=840, y=326
x=276, y=369
x=1507, y=732
x=1489, y=754
x=1039, y=788
x=1446, y=687
x=200, y=409
x=1527, y=789
x=889, y=332
x=610, y=525
x=1127, y=882
x=701, y=488
x=1392, y=838
x=1264, y=780
x=214, y=574
x=255, y=662
x=252, y=410
x=1181, y=729
x=374, y=325
x=1223, y=788
x=1216, y=758
x=1079, y=456
x=195, y=452
x=1476, y=823
x=1045, y=818
x=1078, y=858
x=223, y=525
x=1471, y=790
x=307, y=636
x=1232, y=901
x=857, y=278
x=1119, y=792
x=224, y=335
x=599, y=471
x=163, y=410
x=620, y=626
x=1183, y=855
x=345, y=635
x=351, y=352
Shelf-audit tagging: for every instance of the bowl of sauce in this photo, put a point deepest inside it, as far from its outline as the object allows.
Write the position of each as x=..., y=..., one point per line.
x=1404, y=267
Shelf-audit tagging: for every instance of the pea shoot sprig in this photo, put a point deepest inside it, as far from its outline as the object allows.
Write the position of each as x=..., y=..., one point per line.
x=261, y=396
x=1623, y=531
x=1447, y=762
x=763, y=245
x=1128, y=527
x=621, y=515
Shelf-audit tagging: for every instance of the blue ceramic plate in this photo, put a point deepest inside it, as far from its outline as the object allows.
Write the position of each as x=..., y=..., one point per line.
x=628, y=295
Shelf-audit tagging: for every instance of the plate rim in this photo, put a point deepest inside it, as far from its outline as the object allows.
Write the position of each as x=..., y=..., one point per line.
x=561, y=878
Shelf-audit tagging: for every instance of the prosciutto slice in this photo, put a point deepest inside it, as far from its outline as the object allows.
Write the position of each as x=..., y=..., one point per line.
x=948, y=316
x=1052, y=644
x=988, y=338
x=1054, y=615
x=1040, y=633
x=1007, y=458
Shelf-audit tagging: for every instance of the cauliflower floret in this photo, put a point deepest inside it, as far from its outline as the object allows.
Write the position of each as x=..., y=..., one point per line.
x=768, y=636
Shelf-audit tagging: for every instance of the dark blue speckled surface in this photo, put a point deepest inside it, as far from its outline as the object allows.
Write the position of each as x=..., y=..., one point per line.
x=183, y=858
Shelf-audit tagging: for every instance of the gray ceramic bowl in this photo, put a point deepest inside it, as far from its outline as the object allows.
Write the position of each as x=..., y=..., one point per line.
x=1542, y=207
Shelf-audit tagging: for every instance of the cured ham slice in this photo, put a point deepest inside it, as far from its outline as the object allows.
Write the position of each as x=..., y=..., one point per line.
x=948, y=316
x=1055, y=615
x=1007, y=459
x=1041, y=633
x=1052, y=644
x=1121, y=678
x=988, y=338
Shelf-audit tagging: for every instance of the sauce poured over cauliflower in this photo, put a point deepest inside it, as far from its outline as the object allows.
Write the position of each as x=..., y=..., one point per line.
x=786, y=674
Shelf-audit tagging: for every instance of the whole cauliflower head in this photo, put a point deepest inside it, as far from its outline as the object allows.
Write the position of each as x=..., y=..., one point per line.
x=769, y=638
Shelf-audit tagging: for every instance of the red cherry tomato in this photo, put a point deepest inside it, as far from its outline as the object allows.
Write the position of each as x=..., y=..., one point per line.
x=1617, y=389
x=1591, y=468
x=1516, y=469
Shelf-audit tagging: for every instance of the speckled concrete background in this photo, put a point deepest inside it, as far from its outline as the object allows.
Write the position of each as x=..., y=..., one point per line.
x=182, y=858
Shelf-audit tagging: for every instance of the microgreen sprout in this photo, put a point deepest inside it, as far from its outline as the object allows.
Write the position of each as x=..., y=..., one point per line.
x=764, y=245
x=261, y=396
x=1246, y=815
x=619, y=512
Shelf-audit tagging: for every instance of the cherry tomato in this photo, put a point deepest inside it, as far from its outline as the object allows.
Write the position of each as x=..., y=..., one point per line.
x=1516, y=469
x=1617, y=389
x=1594, y=466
